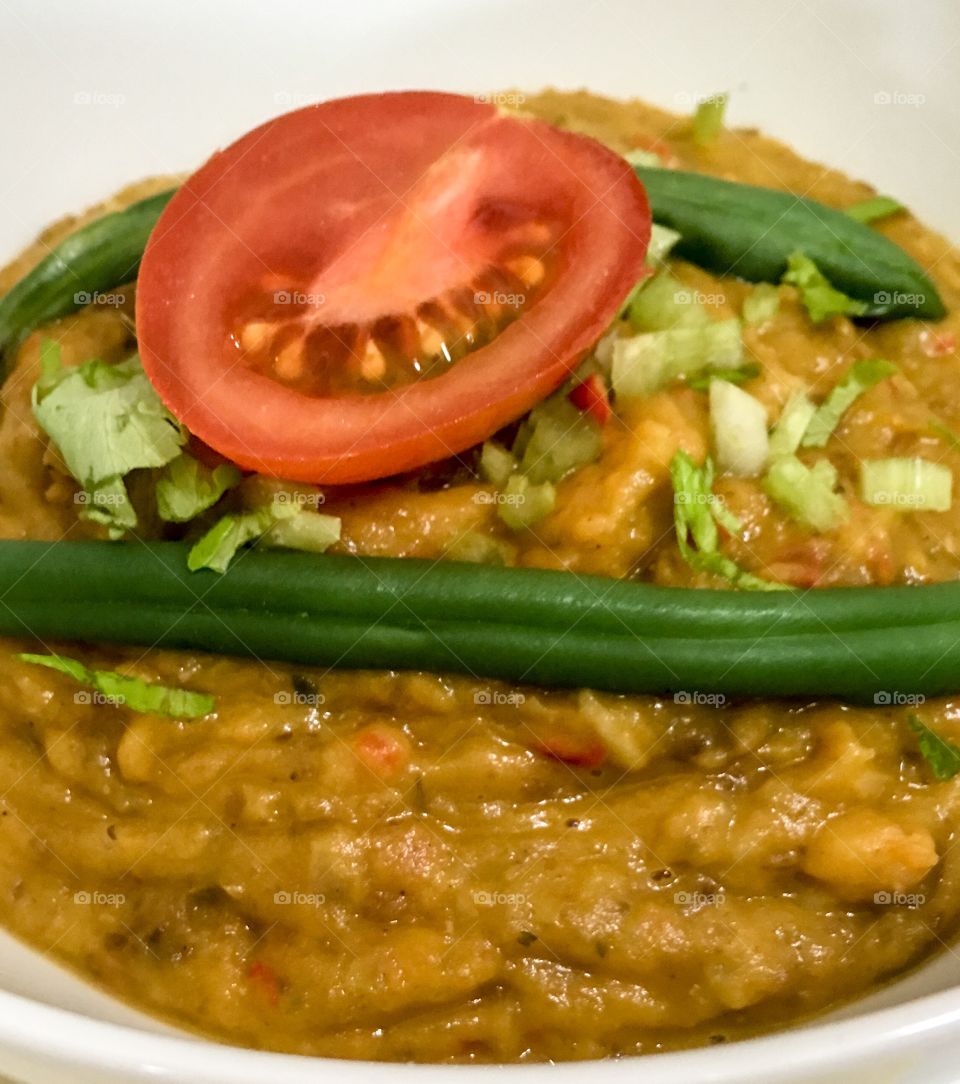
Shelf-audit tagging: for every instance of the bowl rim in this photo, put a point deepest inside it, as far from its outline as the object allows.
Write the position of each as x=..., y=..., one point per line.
x=63, y=1037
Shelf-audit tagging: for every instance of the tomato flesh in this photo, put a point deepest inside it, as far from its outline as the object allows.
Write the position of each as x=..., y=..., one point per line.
x=368, y=285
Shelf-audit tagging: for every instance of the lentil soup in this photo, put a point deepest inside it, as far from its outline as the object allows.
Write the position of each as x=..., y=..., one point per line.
x=410, y=866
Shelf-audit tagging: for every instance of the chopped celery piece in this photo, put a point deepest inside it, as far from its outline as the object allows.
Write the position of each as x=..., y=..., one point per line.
x=524, y=503
x=480, y=549
x=735, y=376
x=738, y=423
x=556, y=439
x=861, y=376
x=664, y=302
x=821, y=299
x=792, y=424
x=875, y=208
x=761, y=304
x=807, y=493
x=639, y=157
x=696, y=512
x=708, y=119
x=662, y=240
x=644, y=363
x=496, y=463
x=309, y=531
x=910, y=484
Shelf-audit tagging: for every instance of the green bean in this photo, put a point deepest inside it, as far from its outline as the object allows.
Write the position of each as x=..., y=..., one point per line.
x=94, y=259
x=548, y=628
x=738, y=229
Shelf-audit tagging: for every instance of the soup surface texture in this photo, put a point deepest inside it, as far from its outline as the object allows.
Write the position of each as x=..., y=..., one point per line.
x=411, y=866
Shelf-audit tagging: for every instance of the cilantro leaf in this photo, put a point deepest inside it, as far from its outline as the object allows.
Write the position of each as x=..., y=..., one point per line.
x=942, y=756
x=130, y=692
x=282, y=523
x=186, y=487
x=861, y=376
x=822, y=300
x=696, y=512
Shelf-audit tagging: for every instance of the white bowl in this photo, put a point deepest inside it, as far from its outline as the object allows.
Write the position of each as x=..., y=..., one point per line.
x=101, y=92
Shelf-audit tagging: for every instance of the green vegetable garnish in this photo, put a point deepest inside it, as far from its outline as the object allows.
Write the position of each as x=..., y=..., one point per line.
x=942, y=756
x=861, y=376
x=696, y=512
x=807, y=493
x=744, y=230
x=106, y=420
x=761, y=304
x=708, y=119
x=186, y=487
x=524, y=503
x=741, y=375
x=283, y=523
x=909, y=484
x=555, y=439
x=644, y=363
x=663, y=302
x=871, y=210
x=532, y=625
x=94, y=259
x=793, y=422
x=821, y=299
x=129, y=692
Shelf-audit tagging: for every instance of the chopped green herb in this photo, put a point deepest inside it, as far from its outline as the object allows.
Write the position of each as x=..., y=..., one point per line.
x=741, y=375
x=861, y=376
x=738, y=425
x=909, y=484
x=555, y=439
x=696, y=512
x=524, y=503
x=106, y=420
x=496, y=463
x=130, y=692
x=642, y=364
x=664, y=303
x=791, y=425
x=479, y=549
x=761, y=304
x=807, y=493
x=871, y=210
x=942, y=756
x=186, y=487
x=821, y=299
x=708, y=119
x=944, y=432
x=282, y=523
x=640, y=157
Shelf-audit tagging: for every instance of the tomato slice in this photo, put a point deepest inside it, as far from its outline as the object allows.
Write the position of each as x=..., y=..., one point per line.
x=367, y=285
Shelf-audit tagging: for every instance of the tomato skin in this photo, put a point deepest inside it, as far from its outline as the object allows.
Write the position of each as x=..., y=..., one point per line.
x=327, y=176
